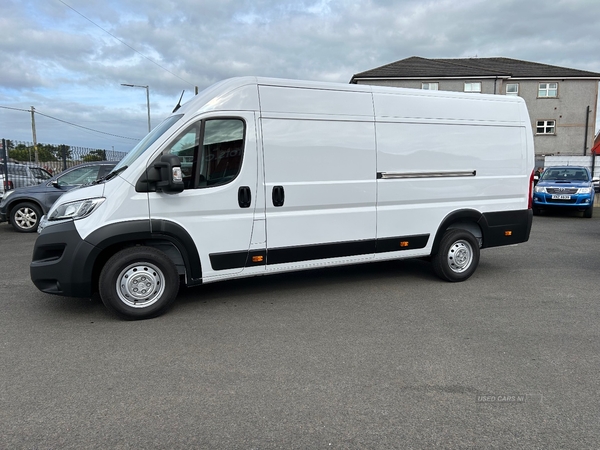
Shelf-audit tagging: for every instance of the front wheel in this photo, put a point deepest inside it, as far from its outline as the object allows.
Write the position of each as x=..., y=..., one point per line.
x=25, y=217
x=588, y=212
x=457, y=257
x=138, y=283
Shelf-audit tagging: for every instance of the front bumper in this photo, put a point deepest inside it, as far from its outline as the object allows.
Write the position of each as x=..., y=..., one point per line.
x=62, y=262
x=576, y=201
x=3, y=212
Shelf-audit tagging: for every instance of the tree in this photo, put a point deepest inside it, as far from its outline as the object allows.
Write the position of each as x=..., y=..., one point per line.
x=95, y=155
x=46, y=152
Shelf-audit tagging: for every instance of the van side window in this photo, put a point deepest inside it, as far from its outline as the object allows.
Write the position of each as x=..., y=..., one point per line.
x=222, y=150
x=218, y=161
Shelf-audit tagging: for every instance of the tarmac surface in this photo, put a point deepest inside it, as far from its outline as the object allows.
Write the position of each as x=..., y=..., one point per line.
x=373, y=356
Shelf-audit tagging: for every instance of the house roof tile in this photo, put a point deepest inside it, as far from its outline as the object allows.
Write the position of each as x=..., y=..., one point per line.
x=417, y=67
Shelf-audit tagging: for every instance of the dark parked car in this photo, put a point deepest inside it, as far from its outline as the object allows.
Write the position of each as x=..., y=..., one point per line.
x=24, y=207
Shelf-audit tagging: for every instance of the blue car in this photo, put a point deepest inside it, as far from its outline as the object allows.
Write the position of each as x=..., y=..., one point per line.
x=566, y=187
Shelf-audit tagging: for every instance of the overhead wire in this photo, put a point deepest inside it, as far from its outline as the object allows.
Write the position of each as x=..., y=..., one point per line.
x=70, y=123
x=125, y=43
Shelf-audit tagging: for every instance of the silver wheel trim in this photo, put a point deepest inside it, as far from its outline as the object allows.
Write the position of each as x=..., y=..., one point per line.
x=460, y=256
x=140, y=285
x=25, y=218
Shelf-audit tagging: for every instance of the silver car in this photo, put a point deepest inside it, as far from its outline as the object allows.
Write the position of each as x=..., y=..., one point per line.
x=21, y=175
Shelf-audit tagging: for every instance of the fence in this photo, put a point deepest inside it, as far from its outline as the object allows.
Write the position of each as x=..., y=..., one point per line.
x=23, y=163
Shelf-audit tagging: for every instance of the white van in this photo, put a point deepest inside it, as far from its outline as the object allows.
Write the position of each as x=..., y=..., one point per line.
x=257, y=176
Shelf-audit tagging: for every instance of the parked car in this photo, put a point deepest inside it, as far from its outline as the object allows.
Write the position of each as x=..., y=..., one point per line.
x=24, y=207
x=21, y=175
x=567, y=187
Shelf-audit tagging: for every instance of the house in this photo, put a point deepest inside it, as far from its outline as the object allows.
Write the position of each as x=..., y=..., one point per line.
x=562, y=102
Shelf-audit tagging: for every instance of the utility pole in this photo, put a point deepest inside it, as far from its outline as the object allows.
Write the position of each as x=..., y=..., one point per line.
x=35, y=149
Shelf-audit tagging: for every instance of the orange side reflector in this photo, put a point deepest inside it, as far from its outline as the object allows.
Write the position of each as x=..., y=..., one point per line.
x=257, y=259
x=508, y=233
x=403, y=243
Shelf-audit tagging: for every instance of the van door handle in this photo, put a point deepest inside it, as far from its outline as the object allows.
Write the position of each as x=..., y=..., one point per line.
x=278, y=196
x=244, y=197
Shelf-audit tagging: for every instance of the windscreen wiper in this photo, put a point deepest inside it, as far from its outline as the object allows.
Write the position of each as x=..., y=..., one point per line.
x=110, y=175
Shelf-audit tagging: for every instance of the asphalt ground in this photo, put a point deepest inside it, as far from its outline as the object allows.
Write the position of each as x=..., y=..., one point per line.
x=373, y=356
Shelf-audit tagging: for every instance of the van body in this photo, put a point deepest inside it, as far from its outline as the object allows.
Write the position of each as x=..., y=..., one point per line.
x=256, y=176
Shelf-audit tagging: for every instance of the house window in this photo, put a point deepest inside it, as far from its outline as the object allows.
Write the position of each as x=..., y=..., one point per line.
x=429, y=86
x=512, y=89
x=548, y=90
x=473, y=86
x=545, y=127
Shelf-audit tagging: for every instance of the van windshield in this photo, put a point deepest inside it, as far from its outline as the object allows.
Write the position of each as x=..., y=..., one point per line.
x=150, y=139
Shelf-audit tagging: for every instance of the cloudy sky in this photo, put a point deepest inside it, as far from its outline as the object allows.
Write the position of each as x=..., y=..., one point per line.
x=68, y=58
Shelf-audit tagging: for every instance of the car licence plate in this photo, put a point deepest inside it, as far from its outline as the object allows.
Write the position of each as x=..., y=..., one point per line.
x=561, y=197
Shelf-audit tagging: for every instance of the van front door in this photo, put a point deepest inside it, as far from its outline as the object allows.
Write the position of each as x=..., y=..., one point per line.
x=218, y=157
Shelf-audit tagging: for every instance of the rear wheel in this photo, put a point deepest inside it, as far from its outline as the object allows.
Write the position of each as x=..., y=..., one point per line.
x=25, y=217
x=138, y=283
x=457, y=257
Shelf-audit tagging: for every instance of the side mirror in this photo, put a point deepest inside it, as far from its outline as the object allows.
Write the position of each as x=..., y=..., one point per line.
x=55, y=184
x=171, y=176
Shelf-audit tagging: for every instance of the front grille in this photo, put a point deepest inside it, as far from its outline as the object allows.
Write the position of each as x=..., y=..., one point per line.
x=561, y=190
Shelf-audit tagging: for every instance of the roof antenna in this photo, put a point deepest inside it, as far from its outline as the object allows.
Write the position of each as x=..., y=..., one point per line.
x=178, y=103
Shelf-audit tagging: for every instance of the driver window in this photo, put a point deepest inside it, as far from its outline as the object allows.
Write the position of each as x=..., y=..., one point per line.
x=221, y=152
x=185, y=147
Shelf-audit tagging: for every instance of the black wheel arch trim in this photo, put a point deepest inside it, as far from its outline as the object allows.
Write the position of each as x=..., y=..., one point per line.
x=137, y=230
x=494, y=226
x=455, y=216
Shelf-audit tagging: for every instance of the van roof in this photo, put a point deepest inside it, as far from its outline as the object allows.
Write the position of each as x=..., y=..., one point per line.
x=219, y=94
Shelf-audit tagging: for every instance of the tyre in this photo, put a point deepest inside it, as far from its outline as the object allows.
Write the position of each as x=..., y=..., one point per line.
x=457, y=257
x=25, y=217
x=138, y=283
x=588, y=212
x=536, y=211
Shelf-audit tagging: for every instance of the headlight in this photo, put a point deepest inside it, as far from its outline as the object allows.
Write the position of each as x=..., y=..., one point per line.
x=540, y=189
x=584, y=190
x=6, y=194
x=75, y=210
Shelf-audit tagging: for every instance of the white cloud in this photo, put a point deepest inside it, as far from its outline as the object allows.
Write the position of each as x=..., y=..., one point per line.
x=55, y=59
